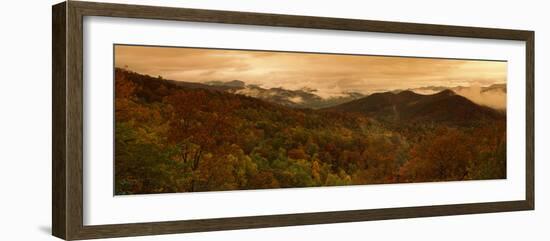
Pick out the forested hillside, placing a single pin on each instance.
(444, 107)
(178, 138)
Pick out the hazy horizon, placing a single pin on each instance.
(329, 74)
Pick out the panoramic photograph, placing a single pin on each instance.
(200, 119)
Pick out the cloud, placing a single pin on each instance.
(329, 74)
(492, 98)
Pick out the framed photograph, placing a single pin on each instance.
(171, 120)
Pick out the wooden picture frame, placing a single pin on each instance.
(67, 159)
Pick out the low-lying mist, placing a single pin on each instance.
(486, 96)
(494, 98)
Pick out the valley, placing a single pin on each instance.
(176, 136)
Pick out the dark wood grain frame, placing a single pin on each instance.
(67, 76)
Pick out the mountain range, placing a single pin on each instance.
(301, 98)
(435, 89)
(493, 96)
(436, 104)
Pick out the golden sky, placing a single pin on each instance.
(330, 74)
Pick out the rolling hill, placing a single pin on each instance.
(301, 98)
(407, 106)
(190, 137)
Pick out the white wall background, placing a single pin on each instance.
(25, 120)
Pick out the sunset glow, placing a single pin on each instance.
(329, 74)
